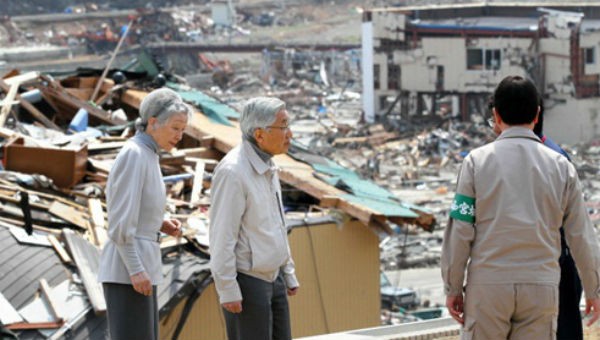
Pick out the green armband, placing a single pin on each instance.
(463, 208)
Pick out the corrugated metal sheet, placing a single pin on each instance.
(338, 268)
(363, 192)
(21, 268)
(212, 108)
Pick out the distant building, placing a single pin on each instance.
(223, 13)
(447, 60)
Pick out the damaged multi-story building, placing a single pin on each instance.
(446, 60)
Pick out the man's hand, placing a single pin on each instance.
(233, 307)
(141, 283)
(292, 291)
(172, 227)
(455, 307)
(592, 305)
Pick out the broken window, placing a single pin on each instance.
(492, 59)
(376, 76)
(483, 59)
(590, 55)
(393, 76)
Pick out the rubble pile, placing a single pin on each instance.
(57, 150)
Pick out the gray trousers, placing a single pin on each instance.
(265, 312)
(130, 315)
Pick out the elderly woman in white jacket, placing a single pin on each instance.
(130, 265)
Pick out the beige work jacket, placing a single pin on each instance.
(512, 197)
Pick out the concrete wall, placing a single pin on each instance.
(591, 40)
(419, 66)
(555, 55)
(574, 121)
(388, 25)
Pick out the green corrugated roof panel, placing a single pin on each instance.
(362, 191)
(384, 207)
(334, 169)
(212, 108)
(359, 187)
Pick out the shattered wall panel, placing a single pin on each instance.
(571, 121)
(556, 57)
(389, 25)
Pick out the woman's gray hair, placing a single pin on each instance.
(259, 112)
(162, 104)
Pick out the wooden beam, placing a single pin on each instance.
(209, 164)
(32, 109)
(172, 158)
(100, 235)
(87, 258)
(105, 146)
(70, 214)
(8, 103)
(62, 253)
(20, 224)
(21, 78)
(54, 91)
(198, 182)
(47, 294)
(202, 152)
(329, 201)
(35, 325)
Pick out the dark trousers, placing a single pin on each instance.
(130, 315)
(569, 325)
(265, 312)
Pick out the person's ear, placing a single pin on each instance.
(152, 123)
(258, 135)
(497, 117)
(537, 116)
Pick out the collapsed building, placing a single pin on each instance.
(445, 60)
(59, 142)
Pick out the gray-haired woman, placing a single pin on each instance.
(130, 265)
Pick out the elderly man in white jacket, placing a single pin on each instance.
(251, 261)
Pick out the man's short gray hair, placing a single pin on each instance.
(259, 112)
(162, 104)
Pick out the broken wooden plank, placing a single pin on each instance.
(100, 235)
(202, 152)
(209, 164)
(175, 158)
(70, 214)
(105, 146)
(32, 109)
(7, 103)
(329, 201)
(5, 198)
(55, 92)
(35, 325)
(197, 184)
(19, 223)
(60, 250)
(87, 258)
(47, 294)
(348, 140)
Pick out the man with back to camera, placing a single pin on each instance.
(251, 261)
(569, 325)
(512, 197)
